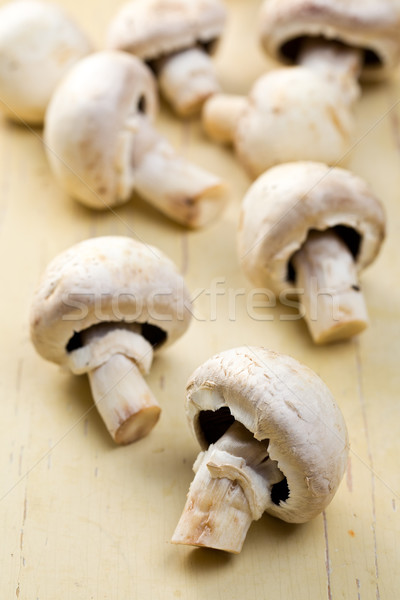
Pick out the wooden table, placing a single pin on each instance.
(81, 518)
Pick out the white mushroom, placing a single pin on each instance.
(102, 308)
(372, 26)
(176, 38)
(305, 112)
(38, 45)
(273, 440)
(102, 146)
(310, 230)
(290, 114)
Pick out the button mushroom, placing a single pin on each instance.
(102, 146)
(290, 114)
(101, 308)
(175, 37)
(305, 112)
(373, 27)
(310, 230)
(38, 45)
(273, 440)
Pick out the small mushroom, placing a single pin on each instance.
(305, 112)
(309, 230)
(38, 44)
(102, 145)
(372, 27)
(290, 114)
(102, 308)
(176, 38)
(272, 438)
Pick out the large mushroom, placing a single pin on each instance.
(309, 230)
(176, 38)
(305, 112)
(102, 308)
(39, 43)
(272, 438)
(102, 145)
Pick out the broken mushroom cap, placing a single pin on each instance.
(372, 26)
(289, 201)
(38, 44)
(114, 280)
(153, 28)
(285, 403)
(87, 126)
(102, 146)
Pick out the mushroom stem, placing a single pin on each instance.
(220, 116)
(340, 64)
(333, 304)
(231, 489)
(123, 399)
(116, 355)
(187, 79)
(184, 192)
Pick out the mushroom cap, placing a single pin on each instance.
(88, 122)
(292, 114)
(38, 44)
(280, 400)
(107, 279)
(288, 201)
(373, 25)
(153, 28)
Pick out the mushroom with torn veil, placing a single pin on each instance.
(305, 112)
(272, 438)
(102, 308)
(102, 145)
(309, 230)
(39, 43)
(176, 38)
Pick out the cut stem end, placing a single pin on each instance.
(220, 116)
(231, 489)
(327, 282)
(181, 190)
(187, 79)
(123, 399)
(216, 514)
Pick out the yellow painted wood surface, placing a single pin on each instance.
(81, 518)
